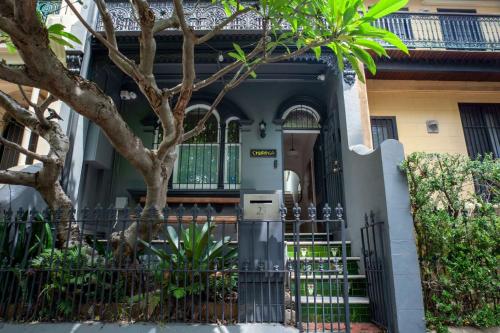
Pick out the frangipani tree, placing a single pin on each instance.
(289, 28)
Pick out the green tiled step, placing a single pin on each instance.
(321, 263)
(329, 287)
(319, 249)
(326, 313)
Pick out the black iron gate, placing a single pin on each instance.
(318, 277)
(328, 162)
(376, 272)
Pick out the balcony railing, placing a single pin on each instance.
(445, 31)
(418, 30)
(47, 7)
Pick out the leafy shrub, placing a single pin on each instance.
(73, 276)
(191, 256)
(454, 203)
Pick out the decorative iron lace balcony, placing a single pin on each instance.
(47, 7)
(418, 30)
(445, 30)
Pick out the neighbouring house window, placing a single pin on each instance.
(232, 151)
(9, 157)
(383, 128)
(481, 124)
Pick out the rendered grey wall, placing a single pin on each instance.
(259, 101)
(373, 182)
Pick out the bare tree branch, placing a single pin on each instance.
(125, 64)
(179, 12)
(7, 8)
(15, 75)
(8, 25)
(221, 72)
(163, 24)
(38, 109)
(23, 93)
(18, 178)
(107, 22)
(147, 43)
(23, 150)
(218, 28)
(237, 79)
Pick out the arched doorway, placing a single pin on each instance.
(301, 129)
(311, 149)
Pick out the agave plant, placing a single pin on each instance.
(190, 258)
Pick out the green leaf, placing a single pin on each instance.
(372, 45)
(55, 28)
(60, 41)
(253, 74)
(240, 51)
(385, 7)
(70, 36)
(235, 56)
(179, 293)
(317, 51)
(173, 240)
(355, 66)
(365, 57)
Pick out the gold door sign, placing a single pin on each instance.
(263, 153)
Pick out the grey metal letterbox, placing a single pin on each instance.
(261, 251)
(261, 206)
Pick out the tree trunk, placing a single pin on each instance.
(61, 207)
(146, 227)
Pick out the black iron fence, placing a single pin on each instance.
(184, 266)
(376, 272)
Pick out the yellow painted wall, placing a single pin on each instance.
(482, 6)
(415, 102)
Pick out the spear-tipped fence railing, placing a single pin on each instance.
(182, 266)
(318, 270)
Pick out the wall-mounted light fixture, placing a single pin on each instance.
(432, 126)
(126, 95)
(262, 129)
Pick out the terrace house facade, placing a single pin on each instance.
(302, 132)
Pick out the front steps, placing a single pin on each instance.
(321, 289)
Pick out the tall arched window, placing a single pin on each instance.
(197, 165)
(210, 160)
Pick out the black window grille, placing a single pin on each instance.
(32, 147)
(210, 160)
(301, 117)
(233, 153)
(481, 124)
(9, 157)
(383, 128)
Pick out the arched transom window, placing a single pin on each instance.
(301, 117)
(210, 160)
